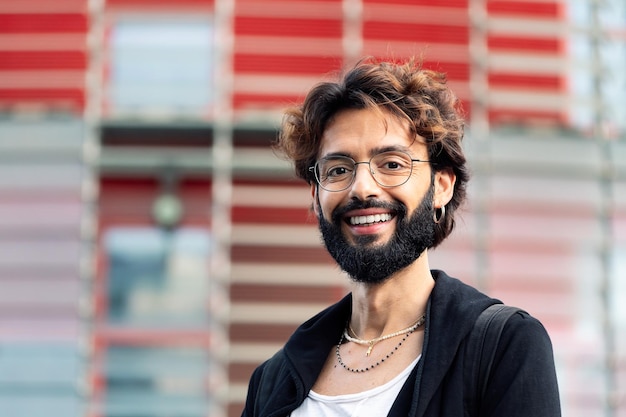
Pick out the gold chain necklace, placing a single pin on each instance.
(371, 342)
(380, 361)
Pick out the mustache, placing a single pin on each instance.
(396, 207)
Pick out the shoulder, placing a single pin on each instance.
(524, 348)
(455, 305)
(523, 380)
(524, 329)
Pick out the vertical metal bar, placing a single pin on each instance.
(90, 185)
(352, 40)
(221, 196)
(605, 216)
(479, 128)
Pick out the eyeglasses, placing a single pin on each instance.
(389, 169)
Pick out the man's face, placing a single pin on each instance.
(370, 230)
(374, 263)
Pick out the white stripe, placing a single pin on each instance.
(534, 27)
(42, 79)
(38, 42)
(272, 196)
(273, 313)
(273, 235)
(275, 84)
(290, 9)
(252, 352)
(528, 63)
(288, 274)
(534, 100)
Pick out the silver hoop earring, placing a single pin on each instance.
(439, 218)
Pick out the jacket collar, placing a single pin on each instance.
(452, 310)
(308, 348)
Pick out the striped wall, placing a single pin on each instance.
(281, 274)
(41, 354)
(281, 48)
(43, 55)
(538, 232)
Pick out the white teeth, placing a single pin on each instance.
(372, 218)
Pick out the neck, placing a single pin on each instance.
(394, 304)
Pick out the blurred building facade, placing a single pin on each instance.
(154, 250)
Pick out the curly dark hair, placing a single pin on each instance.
(403, 89)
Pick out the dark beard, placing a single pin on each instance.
(371, 264)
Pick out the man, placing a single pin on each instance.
(382, 152)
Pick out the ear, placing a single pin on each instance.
(316, 199)
(444, 187)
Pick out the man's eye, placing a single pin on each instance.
(393, 165)
(337, 171)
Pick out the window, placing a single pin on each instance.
(160, 66)
(154, 339)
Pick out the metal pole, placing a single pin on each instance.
(479, 128)
(605, 216)
(90, 186)
(352, 31)
(221, 196)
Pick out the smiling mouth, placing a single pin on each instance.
(370, 219)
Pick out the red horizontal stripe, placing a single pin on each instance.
(509, 43)
(276, 215)
(453, 71)
(275, 26)
(285, 293)
(244, 3)
(29, 60)
(159, 3)
(526, 117)
(240, 372)
(527, 8)
(115, 185)
(43, 23)
(283, 64)
(262, 101)
(274, 254)
(289, 184)
(431, 3)
(525, 81)
(72, 98)
(416, 32)
(42, 94)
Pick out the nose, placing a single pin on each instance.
(364, 185)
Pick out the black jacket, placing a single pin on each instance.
(523, 379)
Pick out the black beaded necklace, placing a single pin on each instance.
(369, 368)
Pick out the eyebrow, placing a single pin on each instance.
(373, 151)
(389, 148)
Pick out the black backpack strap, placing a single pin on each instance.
(481, 350)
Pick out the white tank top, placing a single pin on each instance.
(375, 402)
